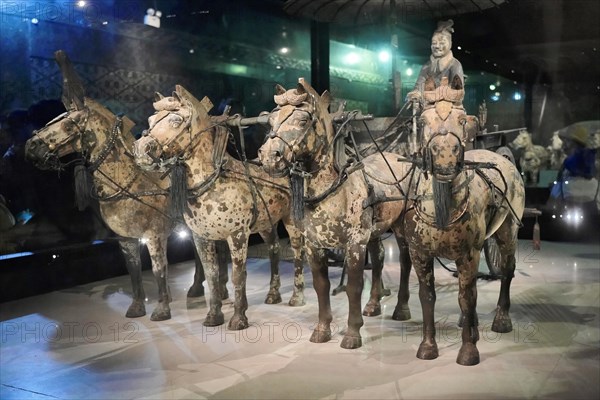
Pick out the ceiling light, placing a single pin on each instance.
(384, 56)
(352, 58)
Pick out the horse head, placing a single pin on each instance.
(444, 156)
(522, 141)
(173, 129)
(556, 142)
(301, 128)
(74, 131)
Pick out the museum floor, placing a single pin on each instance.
(76, 343)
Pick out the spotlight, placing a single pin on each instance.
(143, 240)
(182, 234)
(409, 72)
(492, 87)
(35, 21)
(517, 96)
(284, 50)
(81, 3)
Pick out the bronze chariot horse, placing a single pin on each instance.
(460, 199)
(338, 202)
(221, 197)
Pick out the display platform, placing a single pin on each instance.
(76, 343)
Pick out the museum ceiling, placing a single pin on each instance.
(540, 40)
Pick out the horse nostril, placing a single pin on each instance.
(278, 154)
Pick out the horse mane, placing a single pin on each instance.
(108, 115)
(199, 109)
(321, 106)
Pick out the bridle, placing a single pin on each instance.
(52, 158)
(294, 165)
(427, 157)
(184, 128)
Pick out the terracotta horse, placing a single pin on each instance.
(461, 198)
(224, 199)
(132, 201)
(534, 157)
(340, 203)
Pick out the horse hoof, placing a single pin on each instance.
(224, 293)
(372, 310)
(427, 351)
(468, 355)
(297, 301)
(238, 323)
(214, 320)
(136, 310)
(160, 315)
(196, 291)
(351, 342)
(502, 325)
(401, 314)
(273, 298)
(320, 336)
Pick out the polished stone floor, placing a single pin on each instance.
(77, 344)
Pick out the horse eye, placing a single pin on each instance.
(175, 121)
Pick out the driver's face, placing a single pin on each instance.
(440, 45)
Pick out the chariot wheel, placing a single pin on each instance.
(492, 255)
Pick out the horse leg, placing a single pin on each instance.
(197, 290)
(272, 240)
(355, 256)
(296, 242)
(377, 252)
(157, 247)
(222, 251)
(402, 312)
(238, 245)
(208, 256)
(317, 259)
(468, 266)
(428, 349)
(133, 262)
(506, 237)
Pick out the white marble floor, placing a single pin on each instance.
(77, 344)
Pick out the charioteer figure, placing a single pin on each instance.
(441, 64)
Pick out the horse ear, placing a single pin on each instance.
(279, 90)
(300, 88)
(184, 94)
(327, 98)
(158, 96)
(177, 97)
